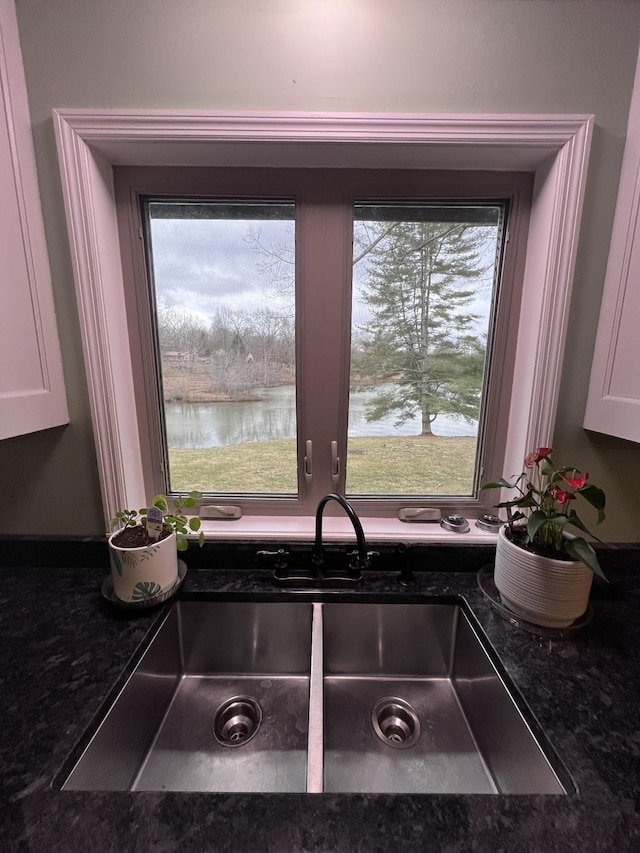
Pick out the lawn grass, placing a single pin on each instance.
(420, 465)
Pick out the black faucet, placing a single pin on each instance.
(361, 556)
(318, 575)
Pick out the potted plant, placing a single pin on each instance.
(143, 552)
(542, 571)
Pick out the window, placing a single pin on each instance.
(224, 314)
(323, 330)
(424, 297)
(551, 150)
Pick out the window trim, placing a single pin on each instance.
(554, 148)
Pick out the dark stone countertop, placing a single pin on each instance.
(63, 647)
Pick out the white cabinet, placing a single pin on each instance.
(32, 395)
(613, 405)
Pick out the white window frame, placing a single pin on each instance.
(323, 413)
(554, 149)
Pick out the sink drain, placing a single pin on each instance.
(237, 720)
(395, 722)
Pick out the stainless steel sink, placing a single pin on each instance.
(413, 704)
(306, 695)
(202, 662)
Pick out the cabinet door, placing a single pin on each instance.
(613, 405)
(32, 395)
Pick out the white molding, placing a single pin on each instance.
(181, 125)
(613, 403)
(90, 208)
(554, 148)
(32, 392)
(557, 212)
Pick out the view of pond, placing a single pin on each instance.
(196, 425)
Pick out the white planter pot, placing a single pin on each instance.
(546, 592)
(141, 573)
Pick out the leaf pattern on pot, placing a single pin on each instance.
(145, 589)
(115, 562)
(128, 559)
(148, 553)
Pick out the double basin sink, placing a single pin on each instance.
(317, 696)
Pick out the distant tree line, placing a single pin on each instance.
(239, 351)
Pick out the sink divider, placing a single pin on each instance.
(315, 746)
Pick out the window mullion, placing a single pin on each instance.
(324, 229)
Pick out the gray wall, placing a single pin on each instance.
(547, 56)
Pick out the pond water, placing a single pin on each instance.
(195, 425)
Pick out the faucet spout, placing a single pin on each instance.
(318, 549)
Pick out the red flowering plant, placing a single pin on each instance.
(543, 507)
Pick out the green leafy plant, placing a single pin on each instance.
(174, 520)
(542, 509)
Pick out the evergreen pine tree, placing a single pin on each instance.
(421, 341)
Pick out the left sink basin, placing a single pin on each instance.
(217, 676)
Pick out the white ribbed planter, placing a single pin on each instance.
(141, 573)
(546, 592)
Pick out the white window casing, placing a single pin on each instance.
(90, 143)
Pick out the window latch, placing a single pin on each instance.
(308, 460)
(420, 514)
(335, 463)
(220, 513)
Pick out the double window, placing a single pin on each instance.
(305, 331)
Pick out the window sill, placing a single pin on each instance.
(339, 529)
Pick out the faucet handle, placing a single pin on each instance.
(279, 556)
(358, 563)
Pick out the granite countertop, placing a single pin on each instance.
(63, 647)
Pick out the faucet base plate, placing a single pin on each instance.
(289, 578)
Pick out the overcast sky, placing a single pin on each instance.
(204, 265)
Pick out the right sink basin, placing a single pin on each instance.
(333, 693)
(413, 704)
